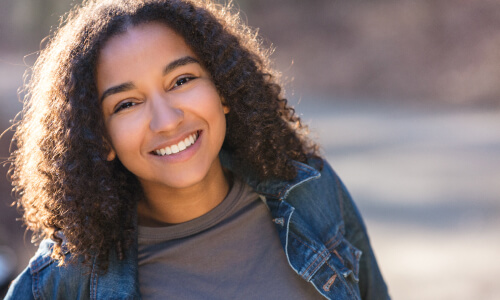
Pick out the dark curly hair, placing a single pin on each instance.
(62, 180)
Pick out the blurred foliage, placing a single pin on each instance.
(431, 50)
(444, 50)
(24, 23)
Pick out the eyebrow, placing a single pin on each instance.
(179, 63)
(127, 86)
(117, 89)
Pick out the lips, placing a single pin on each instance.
(179, 147)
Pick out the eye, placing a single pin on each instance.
(182, 80)
(123, 105)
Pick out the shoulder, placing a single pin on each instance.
(319, 202)
(325, 191)
(326, 206)
(329, 198)
(327, 209)
(328, 175)
(44, 277)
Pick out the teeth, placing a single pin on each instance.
(175, 149)
(181, 146)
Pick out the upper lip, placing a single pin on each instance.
(174, 141)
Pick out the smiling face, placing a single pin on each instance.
(162, 111)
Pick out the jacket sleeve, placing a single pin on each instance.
(371, 282)
(22, 287)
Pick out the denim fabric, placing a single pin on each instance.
(319, 226)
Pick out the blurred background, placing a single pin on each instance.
(404, 98)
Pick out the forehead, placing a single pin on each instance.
(142, 36)
(140, 49)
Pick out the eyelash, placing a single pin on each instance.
(123, 105)
(184, 80)
(179, 82)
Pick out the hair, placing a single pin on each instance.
(62, 180)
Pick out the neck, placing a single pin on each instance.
(165, 205)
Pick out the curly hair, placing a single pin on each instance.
(62, 180)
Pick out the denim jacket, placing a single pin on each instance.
(319, 227)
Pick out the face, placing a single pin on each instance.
(162, 112)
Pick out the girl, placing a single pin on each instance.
(158, 159)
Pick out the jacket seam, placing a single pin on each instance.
(340, 197)
(287, 240)
(318, 256)
(35, 289)
(289, 187)
(93, 282)
(335, 240)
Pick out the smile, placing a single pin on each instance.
(179, 147)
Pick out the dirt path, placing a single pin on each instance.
(428, 184)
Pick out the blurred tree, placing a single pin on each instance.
(24, 23)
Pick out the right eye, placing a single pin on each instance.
(123, 105)
(182, 80)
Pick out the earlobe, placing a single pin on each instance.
(225, 107)
(111, 152)
(111, 155)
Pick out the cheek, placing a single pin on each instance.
(219, 128)
(208, 103)
(215, 112)
(125, 137)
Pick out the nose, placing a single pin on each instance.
(164, 115)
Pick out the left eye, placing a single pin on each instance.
(124, 105)
(182, 81)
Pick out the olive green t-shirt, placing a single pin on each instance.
(232, 252)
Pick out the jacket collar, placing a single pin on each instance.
(273, 187)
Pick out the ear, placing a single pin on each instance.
(111, 155)
(225, 107)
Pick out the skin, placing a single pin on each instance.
(154, 94)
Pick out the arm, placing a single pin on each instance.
(21, 287)
(371, 282)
